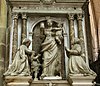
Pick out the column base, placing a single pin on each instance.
(18, 80)
(80, 80)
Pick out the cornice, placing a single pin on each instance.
(49, 2)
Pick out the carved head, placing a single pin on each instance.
(76, 40)
(42, 25)
(26, 42)
(49, 22)
(59, 25)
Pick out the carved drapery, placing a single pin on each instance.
(24, 27)
(80, 32)
(71, 29)
(15, 34)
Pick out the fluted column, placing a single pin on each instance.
(80, 32)
(24, 27)
(71, 29)
(15, 34)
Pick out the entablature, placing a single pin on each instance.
(47, 2)
(47, 6)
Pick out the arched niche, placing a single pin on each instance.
(38, 34)
(38, 37)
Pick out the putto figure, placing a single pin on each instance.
(35, 65)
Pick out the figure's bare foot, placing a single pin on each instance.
(35, 79)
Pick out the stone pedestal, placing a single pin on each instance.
(18, 80)
(81, 80)
(50, 83)
(52, 78)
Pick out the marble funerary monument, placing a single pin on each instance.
(56, 31)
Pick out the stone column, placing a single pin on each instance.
(24, 27)
(15, 34)
(80, 32)
(71, 29)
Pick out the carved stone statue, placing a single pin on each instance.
(51, 57)
(35, 65)
(76, 63)
(20, 64)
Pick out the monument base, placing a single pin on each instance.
(18, 80)
(80, 80)
(50, 83)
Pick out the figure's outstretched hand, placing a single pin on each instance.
(39, 55)
(67, 50)
(83, 55)
(33, 52)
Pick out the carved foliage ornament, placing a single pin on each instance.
(47, 1)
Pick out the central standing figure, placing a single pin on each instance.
(51, 56)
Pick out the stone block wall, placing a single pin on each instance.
(2, 38)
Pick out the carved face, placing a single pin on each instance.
(28, 43)
(76, 40)
(49, 22)
(41, 25)
(59, 25)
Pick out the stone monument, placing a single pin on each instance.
(51, 26)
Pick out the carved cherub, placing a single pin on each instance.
(58, 32)
(35, 65)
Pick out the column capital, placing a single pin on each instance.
(15, 15)
(79, 16)
(71, 16)
(24, 16)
